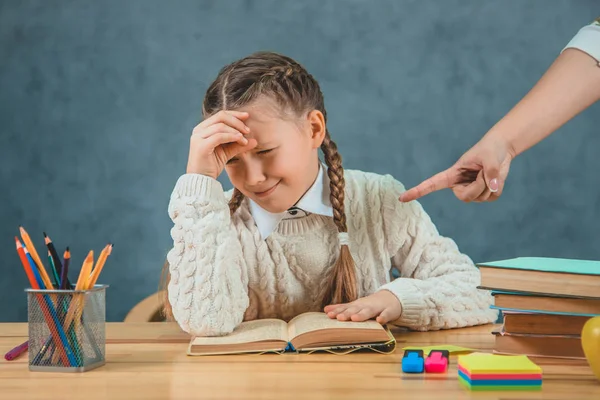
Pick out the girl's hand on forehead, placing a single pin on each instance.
(382, 305)
(216, 140)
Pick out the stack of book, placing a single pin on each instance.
(545, 302)
(496, 372)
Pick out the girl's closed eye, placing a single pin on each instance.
(261, 152)
(265, 151)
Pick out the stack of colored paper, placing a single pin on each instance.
(496, 372)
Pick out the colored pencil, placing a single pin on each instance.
(25, 263)
(84, 273)
(34, 285)
(99, 265)
(64, 280)
(65, 298)
(17, 351)
(29, 245)
(75, 308)
(56, 330)
(57, 346)
(56, 281)
(53, 253)
(65, 350)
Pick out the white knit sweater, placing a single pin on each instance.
(222, 272)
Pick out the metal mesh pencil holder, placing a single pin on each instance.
(67, 329)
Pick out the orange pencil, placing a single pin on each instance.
(36, 258)
(99, 265)
(25, 263)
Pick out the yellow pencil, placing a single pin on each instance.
(75, 308)
(99, 265)
(36, 258)
(85, 271)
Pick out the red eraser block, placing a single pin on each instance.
(437, 361)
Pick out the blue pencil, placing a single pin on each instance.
(53, 314)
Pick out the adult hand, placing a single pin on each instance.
(479, 175)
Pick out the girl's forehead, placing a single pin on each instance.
(265, 136)
(267, 121)
(268, 129)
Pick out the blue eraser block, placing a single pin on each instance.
(413, 362)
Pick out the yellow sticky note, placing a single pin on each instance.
(498, 364)
(450, 347)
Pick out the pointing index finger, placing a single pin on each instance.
(437, 182)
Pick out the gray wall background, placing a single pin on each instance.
(98, 98)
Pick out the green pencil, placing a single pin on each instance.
(54, 272)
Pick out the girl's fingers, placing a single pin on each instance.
(232, 118)
(334, 313)
(223, 138)
(331, 307)
(385, 316)
(233, 150)
(347, 314)
(217, 128)
(363, 315)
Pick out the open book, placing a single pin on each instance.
(307, 332)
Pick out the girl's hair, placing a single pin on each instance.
(295, 90)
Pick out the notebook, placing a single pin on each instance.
(542, 275)
(308, 332)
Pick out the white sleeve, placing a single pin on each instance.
(587, 40)
(208, 290)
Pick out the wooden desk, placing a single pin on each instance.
(148, 361)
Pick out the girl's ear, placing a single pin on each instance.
(318, 128)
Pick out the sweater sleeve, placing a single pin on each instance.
(208, 288)
(587, 40)
(437, 286)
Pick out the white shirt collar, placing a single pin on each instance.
(315, 200)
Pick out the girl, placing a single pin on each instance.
(295, 235)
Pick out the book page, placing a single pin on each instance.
(313, 321)
(250, 331)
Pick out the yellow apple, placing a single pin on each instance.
(590, 342)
